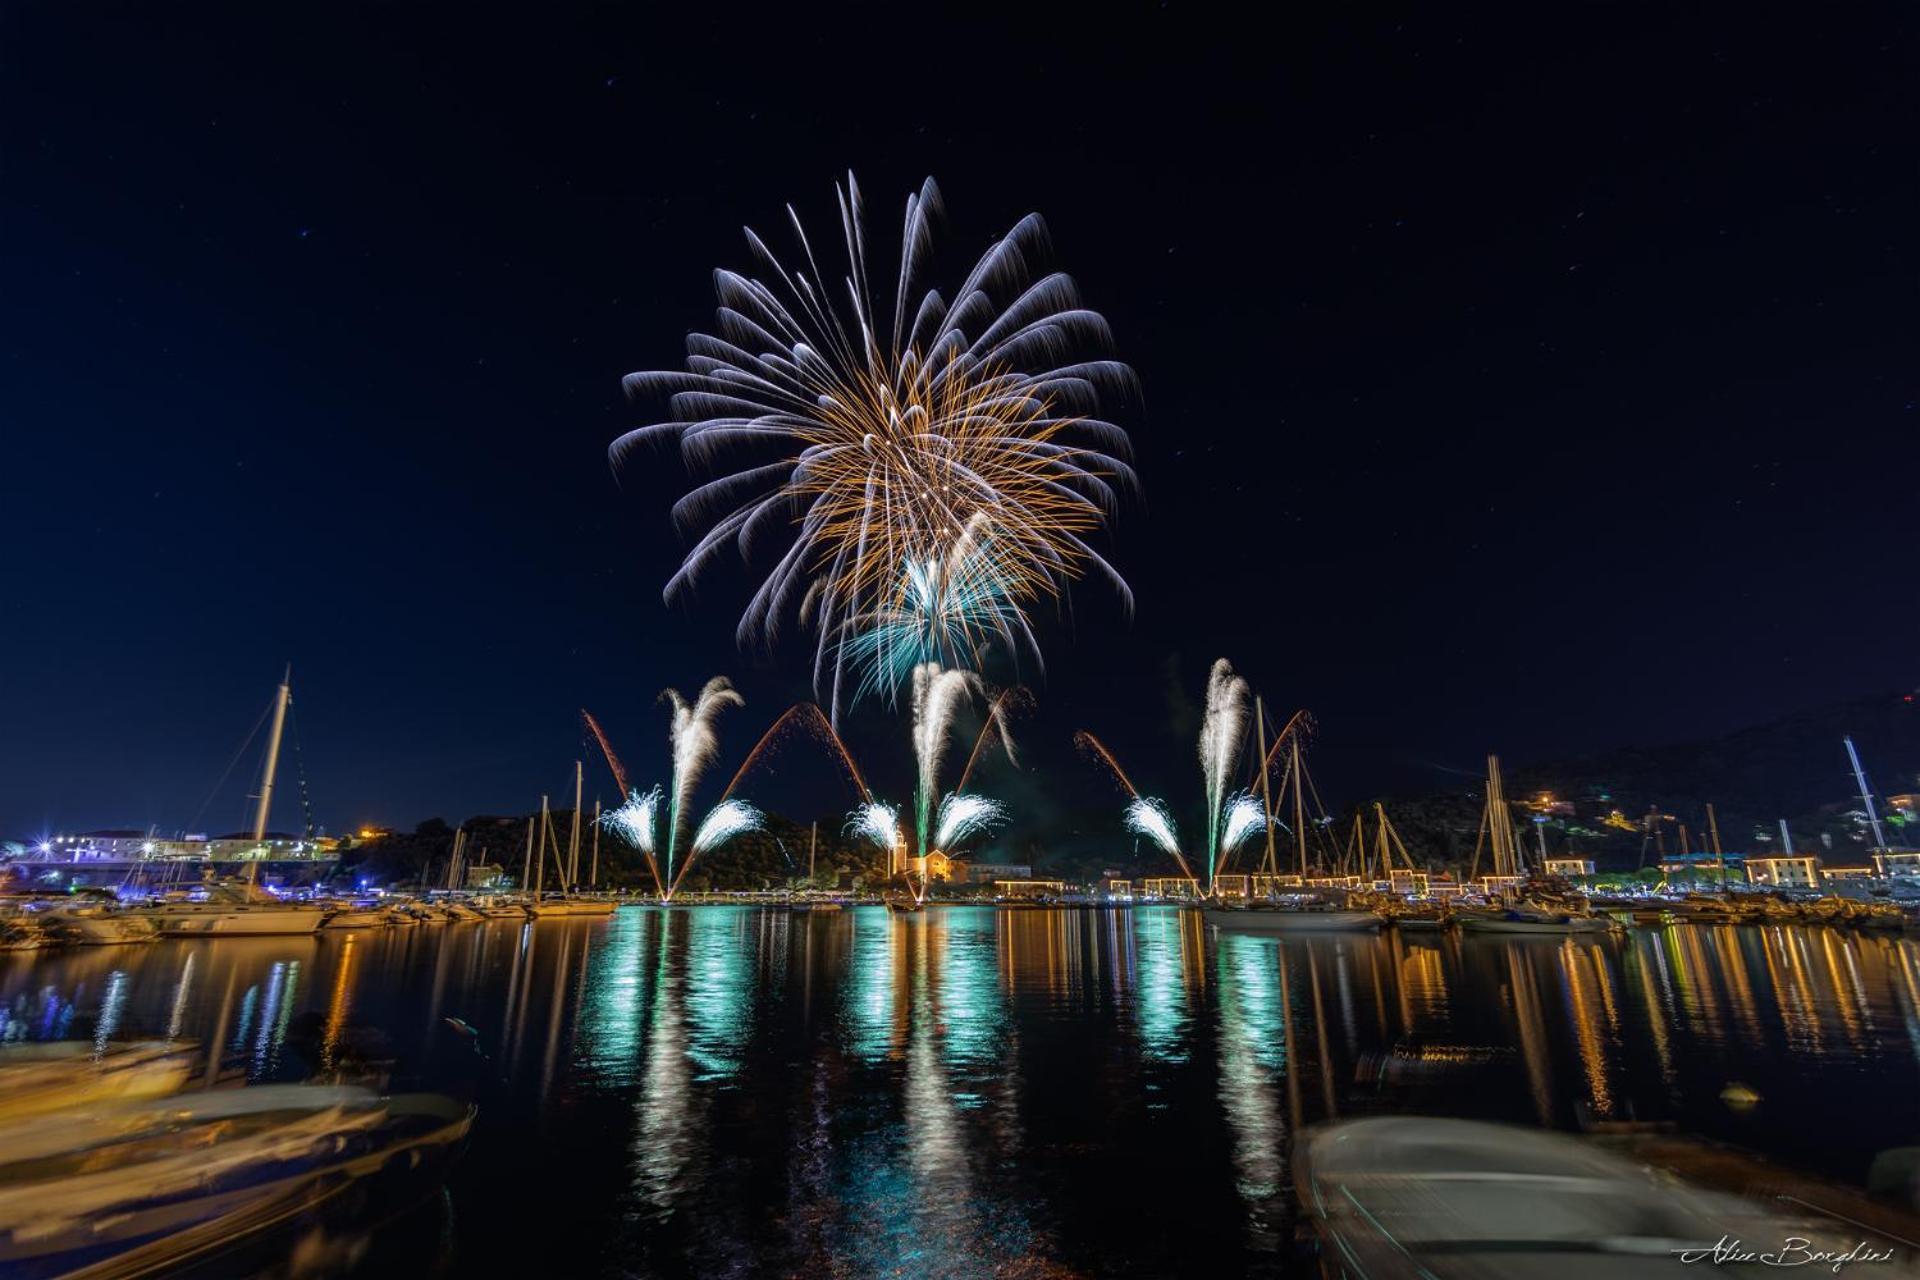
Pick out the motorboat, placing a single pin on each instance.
(500, 909)
(1292, 914)
(355, 916)
(1530, 919)
(1417, 1198)
(141, 1187)
(234, 908)
(98, 925)
(44, 1076)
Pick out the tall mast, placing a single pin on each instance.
(540, 863)
(526, 868)
(813, 837)
(273, 754)
(1496, 820)
(1866, 795)
(1719, 856)
(573, 834)
(1299, 807)
(1266, 789)
(593, 881)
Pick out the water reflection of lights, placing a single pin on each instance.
(608, 1039)
(1163, 954)
(1252, 1051)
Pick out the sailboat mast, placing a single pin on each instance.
(1266, 787)
(573, 834)
(540, 863)
(273, 754)
(1719, 855)
(1786, 840)
(1299, 807)
(593, 881)
(1866, 795)
(813, 839)
(526, 868)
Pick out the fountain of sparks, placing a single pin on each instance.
(963, 816)
(694, 746)
(1221, 729)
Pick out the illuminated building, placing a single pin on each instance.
(1569, 866)
(1408, 884)
(1793, 872)
(1847, 873)
(1896, 862)
(988, 872)
(1230, 886)
(1175, 888)
(1018, 889)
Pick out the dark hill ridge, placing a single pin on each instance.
(1794, 768)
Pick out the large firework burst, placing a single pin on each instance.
(851, 440)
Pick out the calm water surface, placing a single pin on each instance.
(718, 1091)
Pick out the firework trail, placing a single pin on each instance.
(813, 719)
(1221, 729)
(962, 816)
(937, 696)
(1098, 749)
(995, 727)
(694, 744)
(1244, 817)
(606, 749)
(1148, 817)
(863, 441)
(634, 821)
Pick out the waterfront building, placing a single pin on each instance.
(1015, 890)
(1229, 886)
(1898, 862)
(1794, 871)
(1408, 883)
(1116, 889)
(1173, 888)
(988, 872)
(1569, 866)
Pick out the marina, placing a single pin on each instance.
(1025, 1086)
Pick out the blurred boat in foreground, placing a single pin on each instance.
(42, 1077)
(1439, 1199)
(141, 1187)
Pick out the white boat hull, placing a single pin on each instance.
(246, 920)
(105, 929)
(1259, 920)
(1496, 924)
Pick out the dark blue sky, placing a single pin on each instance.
(1535, 384)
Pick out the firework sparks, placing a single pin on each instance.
(963, 816)
(948, 610)
(1221, 729)
(1149, 817)
(694, 744)
(723, 822)
(877, 822)
(1244, 817)
(633, 821)
(867, 445)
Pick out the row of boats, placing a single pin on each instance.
(1545, 911)
(239, 909)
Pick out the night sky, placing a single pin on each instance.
(1540, 383)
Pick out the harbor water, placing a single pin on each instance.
(975, 1091)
